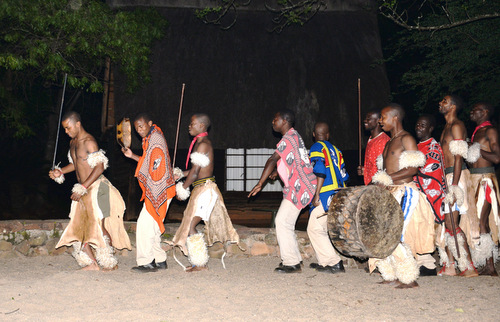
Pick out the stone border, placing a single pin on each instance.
(39, 237)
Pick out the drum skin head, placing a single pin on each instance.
(365, 222)
(124, 133)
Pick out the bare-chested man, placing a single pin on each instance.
(97, 207)
(205, 203)
(458, 180)
(401, 160)
(484, 154)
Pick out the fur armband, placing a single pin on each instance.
(178, 173)
(382, 177)
(200, 159)
(380, 162)
(79, 189)
(454, 192)
(70, 159)
(59, 179)
(97, 157)
(474, 153)
(411, 159)
(459, 147)
(182, 193)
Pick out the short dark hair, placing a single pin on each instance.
(288, 116)
(430, 118)
(374, 111)
(145, 116)
(457, 101)
(400, 112)
(487, 106)
(204, 119)
(74, 116)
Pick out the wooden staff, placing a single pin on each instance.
(359, 121)
(178, 124)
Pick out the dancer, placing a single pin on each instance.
(484, 154)
(154, 173)
(291, 162)
(458, 181)
(399, 163)
(374, 146)
(205, 203)
(96, 215)
(430, 178)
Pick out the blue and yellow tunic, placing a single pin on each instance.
(328, 163)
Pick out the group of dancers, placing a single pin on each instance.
(446, 205)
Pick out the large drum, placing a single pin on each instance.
(365, 221)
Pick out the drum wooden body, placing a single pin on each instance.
(124, 133)
(365, 221)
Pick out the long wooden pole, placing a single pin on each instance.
(59, 122)
(178, 124)
(359, 122)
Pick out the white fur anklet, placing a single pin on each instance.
(443, 257)
(382, 177)
(182, 193)
(81, 257)
(79, 189)
(483, 251)
(386, 268)
(197, 250)
(463, 263)
(407, 270)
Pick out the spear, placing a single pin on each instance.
(59, 123)
(178, 124)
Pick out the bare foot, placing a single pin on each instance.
(388, 283)
(469, 273)
(411, 285)
(489, 269)
(196, 269)
(449, 271)
(91, 267)
(110, 269)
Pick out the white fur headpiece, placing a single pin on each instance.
(380, 162)
(474, 153)
(454, 192)
(178, 173)
(59, 179)
(97, 157)
(382, 177)
(182, 193)
(459, 147)
(411, 159)
(197, 250)
(79, 189)
(70, 159)
(200, 159)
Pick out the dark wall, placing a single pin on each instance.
(242, 76)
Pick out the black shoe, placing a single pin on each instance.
(151, 267)
(301, 264)
(314, 265)
(288, 269)
(337, 268)
(424, 271)
(161, 265)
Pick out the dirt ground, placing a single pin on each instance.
(50, 288)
